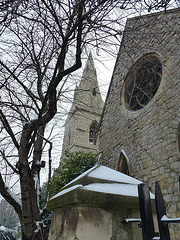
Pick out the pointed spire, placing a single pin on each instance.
(89, 77)
(90, 64)
(88, 93)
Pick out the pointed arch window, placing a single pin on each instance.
(69, 136)
(93, 132)
(123, 165)
(94, 91)
(178, 137)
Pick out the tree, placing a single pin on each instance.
(41, 44)
(70, 167)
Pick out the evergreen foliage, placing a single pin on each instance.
(71, 166)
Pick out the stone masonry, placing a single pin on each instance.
(150, 137)
(86, 109)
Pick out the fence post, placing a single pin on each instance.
(161, 211)
(146, 212)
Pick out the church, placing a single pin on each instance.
(140, 124)
(139, 134)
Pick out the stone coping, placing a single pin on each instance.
(80, 196)
(100, 187)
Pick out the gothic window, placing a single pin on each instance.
(94, 91)
(69, 136)
(123, 165)
(178, 138)
(93, 132)
(142, 82)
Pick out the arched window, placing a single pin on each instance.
(123, 165)
(93, 132)
(69, 136)
(94, 91)
(178, 137)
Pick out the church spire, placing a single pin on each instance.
(88, 93)
(82, 120)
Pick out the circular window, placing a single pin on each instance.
(142, 82)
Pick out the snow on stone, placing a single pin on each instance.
(106, 173)
(113, 188)
(122, 183)
(124, 153)
(80, 176)
(67, 190)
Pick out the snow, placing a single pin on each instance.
(124, 153)
(113, 188)
(36, 180)
(122, 184)
(165, 218)
(81, 176)
(37, 186)
(132, 220)
(67, 190)
(3, 229)
(38, 163)
(106, 173)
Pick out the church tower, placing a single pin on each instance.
(82, 121)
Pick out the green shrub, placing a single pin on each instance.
(71, 166)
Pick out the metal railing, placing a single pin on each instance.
(146, 221)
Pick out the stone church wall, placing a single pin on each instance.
(150, 137)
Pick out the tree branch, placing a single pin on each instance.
(29, 93)
(8, 163)
(6, 193)
(8, 128)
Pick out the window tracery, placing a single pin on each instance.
(93, 132)
(143, 82)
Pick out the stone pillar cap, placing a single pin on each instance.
(99, 186)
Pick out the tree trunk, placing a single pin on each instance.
(30, 204)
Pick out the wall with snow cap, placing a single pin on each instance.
(93, 205)
(150, 136)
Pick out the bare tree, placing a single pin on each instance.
(42, 42)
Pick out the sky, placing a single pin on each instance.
(104, 65)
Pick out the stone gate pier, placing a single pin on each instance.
(92, 207)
